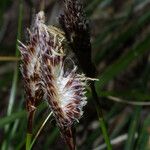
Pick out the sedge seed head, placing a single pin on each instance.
(31, 64)
(45, 70)
(64, 87)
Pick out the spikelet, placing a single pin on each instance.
(73, 21)
(30, 68)
(64, 88)
(76, 27)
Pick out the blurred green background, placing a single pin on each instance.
(120, 36)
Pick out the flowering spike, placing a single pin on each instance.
(65, 94)
(65, 90)
(76, 28)
(30, 68)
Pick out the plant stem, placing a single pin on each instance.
(101, 118)
(39, 131)
(29, 129)
(28, 141)
(30, 121)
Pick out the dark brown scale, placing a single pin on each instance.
(68, 84)
(64, 121)
(32, 49)
(44, 59)
(76, 101)
(77, 109)
(27, 63)
(27, 80)
(59, 109)
(77, 86)
(76, 114)
(34, 39)
(61, 115)
(34, 77)
(52, 91)
(55, 103)
(56, 61)
(50, 77)
(79, 93)
(70, 107)
(38, 94)
(26, 57)
(48, 83)
(69, 113)
(28, 91)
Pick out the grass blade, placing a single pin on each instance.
(15, 76)
(142, 143)
(39, 131)
(9, 119)
(130, 32)
(122, 63)
(132, 130)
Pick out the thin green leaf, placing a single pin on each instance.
(131, 31)
(133, 129)
(122, 63)
(9, 119)
(142, 143)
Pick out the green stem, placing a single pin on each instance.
(28, 141)
(101, 118)
(104, 131)
(39, 131)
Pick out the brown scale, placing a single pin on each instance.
(58, 112)
(56, 109)
(32, 101)
(31, 48)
